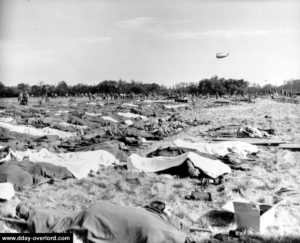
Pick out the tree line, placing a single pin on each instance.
(211, 86)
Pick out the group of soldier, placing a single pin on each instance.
(23, 98)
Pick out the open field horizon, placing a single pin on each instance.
(271, 170)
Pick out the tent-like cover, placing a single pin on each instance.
(211, 167)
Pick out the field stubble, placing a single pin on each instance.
(271, 170)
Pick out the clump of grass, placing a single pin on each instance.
(178, 185)
(101, 184)
(121, 186)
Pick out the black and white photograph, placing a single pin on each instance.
(147, 121)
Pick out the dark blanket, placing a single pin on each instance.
(131, 132)
(112, 146)
(24, 174)
(105, 222)
(224, 131)
(19, 141)
(78, 121)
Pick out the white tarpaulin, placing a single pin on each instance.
(79, 127)
(36, 131)
(95, 103)
(93, 114)
(130, 105)
(220, 149)
(159, 101)
(6, 191)
(131, 115)
(211, 167)
(6, 119)
(60, 112)
(174, 106)
(108, 118)
(79, 163)
(129, 122)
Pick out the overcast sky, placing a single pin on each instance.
(163, 41)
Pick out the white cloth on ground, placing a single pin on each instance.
(93, 114)
(6, 119)
(211, 167)
(128, 122)
(66, 124)
(6, 191)
(242, 149)
(174, 106)
(36, 131)
(131, 115)
(108, 118)
(129, 104)
(79, 163)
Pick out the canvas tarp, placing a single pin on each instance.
(35, 131)
(25, 173)
(131, 115)
(211, 167)
(230, 159)
(108, 118)
(130, 105)
(93, 114)
(105, 222)
(6, 191)
(6, 119)
(79, 127)
(79, 163)
(220, 149)
(175, 106)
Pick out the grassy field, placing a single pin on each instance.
(271, 170)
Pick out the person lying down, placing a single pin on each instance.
(106, 222)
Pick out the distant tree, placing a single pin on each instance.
(2, 90)
(222, 86)
(62, 88)
(23, 87)
(36, 90)
(293, 85)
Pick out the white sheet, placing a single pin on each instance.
(36, 131)
(174, 106)
(108, 118)
(6, 119)
(79, 163)
(60, 112)
(91, 103)
(130, 105)
(128, 122)
(242, 149)
(6, 191)
(95, 103)
(212, 168)
(131, 115)
(93, 114)
(159, 101)
(66, 124)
